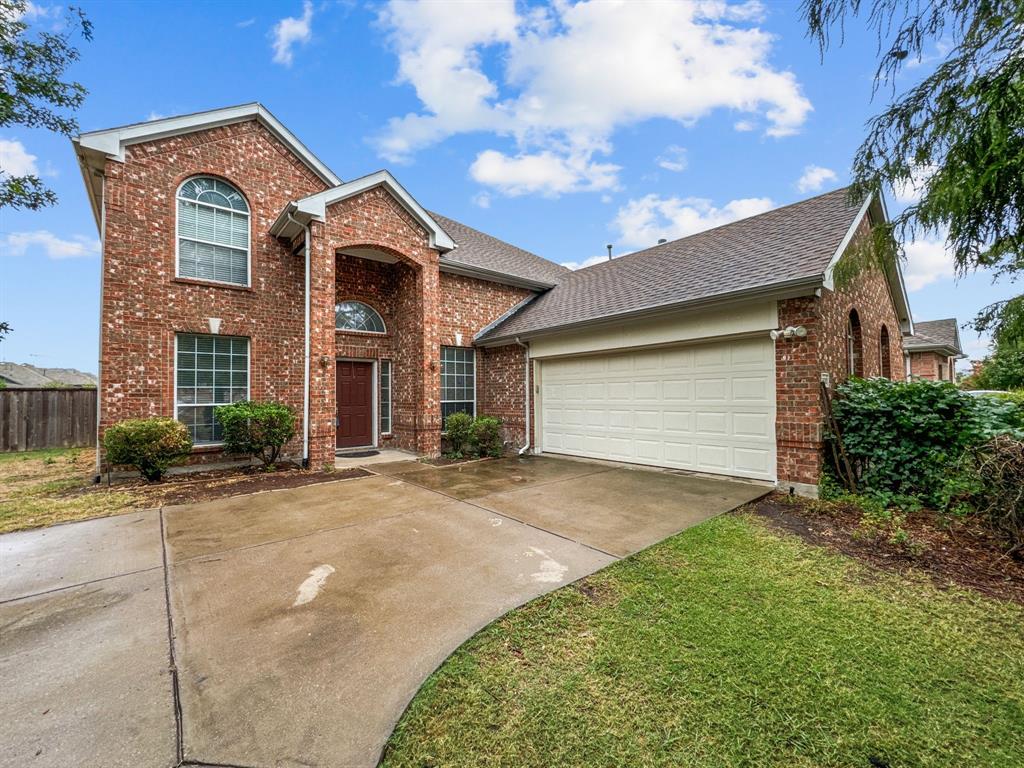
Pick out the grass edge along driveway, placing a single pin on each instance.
(727, 645)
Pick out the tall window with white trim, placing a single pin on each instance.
(213, 232)
(209, 371)
(458, 381)
(385, 397)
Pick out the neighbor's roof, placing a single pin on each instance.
(28, 376)
(481, 251)
(787, 247)
(934, 335)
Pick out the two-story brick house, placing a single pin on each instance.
(237, 265)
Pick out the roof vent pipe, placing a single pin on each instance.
(609, 247)
(662, 241)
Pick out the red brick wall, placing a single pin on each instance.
(925, 365)
(467, 305)
(144, 304)
(800, 362)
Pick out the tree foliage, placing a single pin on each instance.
(33, 91)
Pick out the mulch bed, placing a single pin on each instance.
(443, 461)
(958, 552)
(191, 487)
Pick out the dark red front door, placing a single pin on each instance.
(355, 404)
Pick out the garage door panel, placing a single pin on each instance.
(707, 407)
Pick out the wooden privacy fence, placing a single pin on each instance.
(47, 418)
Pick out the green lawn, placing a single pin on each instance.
(730, 645)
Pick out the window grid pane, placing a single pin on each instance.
(213, 243)
(385, 396)
(357, 316)
(458, 381)
(210, 371)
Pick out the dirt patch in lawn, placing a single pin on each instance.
(949, 551)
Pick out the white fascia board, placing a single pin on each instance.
(829, 281)
(112, 142)
(315, 206)
(896, 283)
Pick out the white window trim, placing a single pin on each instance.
(442, 402)
(355, 330)
(248, 379)
(391, 394)
(177, 236)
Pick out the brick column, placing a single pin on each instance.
(428, 418)
(322, 393)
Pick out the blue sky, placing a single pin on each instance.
(559, 128)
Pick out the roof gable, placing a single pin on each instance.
(95, 147)
(935, 335)
(302, 211)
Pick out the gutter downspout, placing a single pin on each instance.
(99, 362)
(305, 370)
(526, 390)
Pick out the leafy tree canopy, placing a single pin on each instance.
(33, 91)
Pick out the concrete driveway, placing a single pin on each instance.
(291, 628)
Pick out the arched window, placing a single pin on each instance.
(213, 231)
(356, 316)
(854, 346)
(885, 359)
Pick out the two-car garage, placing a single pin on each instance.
(707, 407)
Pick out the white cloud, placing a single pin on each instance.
(586, 262)
(154, 115)
(544, 172)
(571, 74)
(15, 159)
(673, 159)
(20, 243)
(482, 200)
(814, 178)
(910, 191)
(245, 23)
(291, 31)
(641, 223)
(927, 261)
(743, 126)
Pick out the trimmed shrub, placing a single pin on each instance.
(487, 436)
(255, 428)
(458, 428)
(903, 439)
(148, 445)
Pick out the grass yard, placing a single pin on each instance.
(731, 645)
(40, 488)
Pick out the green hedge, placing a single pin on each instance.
(258, 429)
(149, 445)
(475, 437)
(904, 439)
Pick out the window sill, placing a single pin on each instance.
(208, 448)
(212, 284)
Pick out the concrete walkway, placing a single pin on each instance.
(291, 628)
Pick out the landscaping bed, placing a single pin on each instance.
(40, 488)
(949, 550)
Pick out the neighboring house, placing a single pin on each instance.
(237, 265)
(933, 349)
(24, 376)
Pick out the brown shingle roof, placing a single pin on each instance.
(784, 245)
(929, 334)
(476, 249)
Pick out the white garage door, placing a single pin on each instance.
(702, 407)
